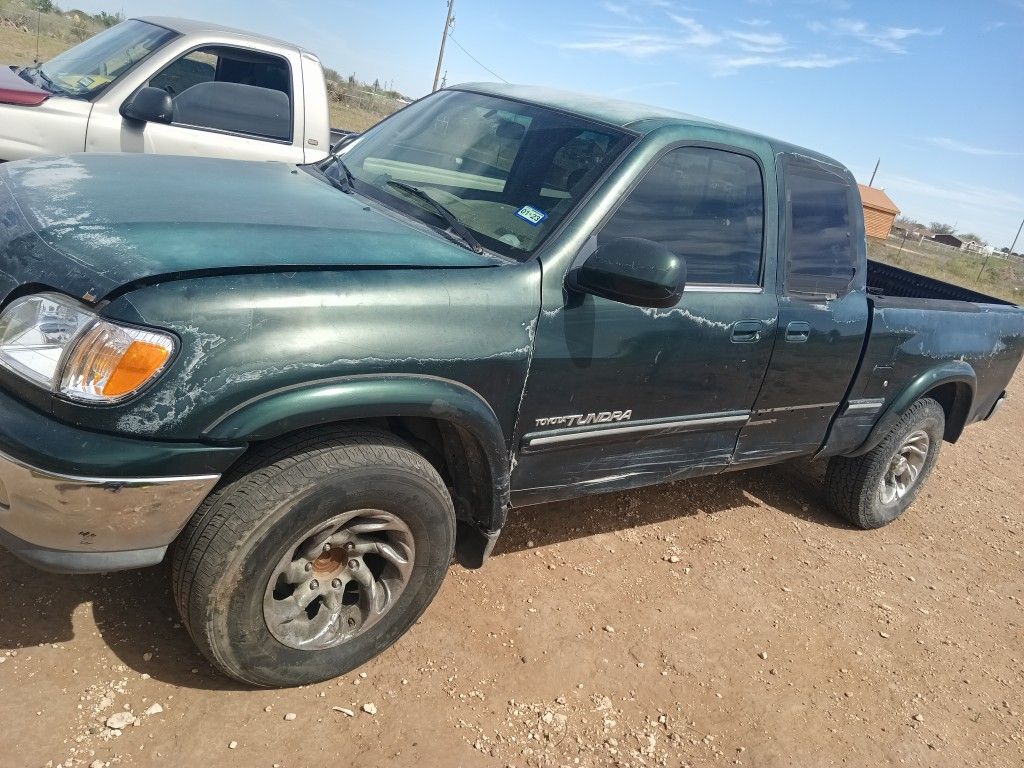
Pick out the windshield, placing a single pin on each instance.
(508, 171)
(89, 67)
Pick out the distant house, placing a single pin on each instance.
(879, 212)
(952, 240)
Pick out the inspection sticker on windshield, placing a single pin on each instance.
(531, 215)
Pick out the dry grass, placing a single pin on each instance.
(19, 47)
(352, 118)
(1003, 278)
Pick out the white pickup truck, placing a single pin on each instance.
(169, 86)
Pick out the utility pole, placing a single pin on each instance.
(872, 182)
(444, 38)
(1009, 255)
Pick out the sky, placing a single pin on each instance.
(935, 88)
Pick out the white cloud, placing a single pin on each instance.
(699, 35)
(965, 195)
(755, 44)
(731, 65)
(953, 145)
(620, 9)
(634, 45)
(816, 61)
(759, 42)
(889, 39)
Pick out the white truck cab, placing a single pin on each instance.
(169, 86)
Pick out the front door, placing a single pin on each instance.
(228, 102)
(620, 396)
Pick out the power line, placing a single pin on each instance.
(474, 58)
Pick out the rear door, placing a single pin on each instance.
(823, 312)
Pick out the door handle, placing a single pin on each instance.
(798, 332)
(746, 331)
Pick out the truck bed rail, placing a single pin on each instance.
(886, 280)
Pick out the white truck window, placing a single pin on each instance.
(232, 90)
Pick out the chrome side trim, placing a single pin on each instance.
(723, 289)
(787, 408)
(557, 437)
(98, 514)
(871, 405)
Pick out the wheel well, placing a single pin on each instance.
(453, 451)
(955, 398)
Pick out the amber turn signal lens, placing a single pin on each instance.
(136, 367)
(111, 361)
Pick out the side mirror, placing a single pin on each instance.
(149, 105)
(634, 271)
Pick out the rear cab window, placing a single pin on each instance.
(231, 90)
(819, 215)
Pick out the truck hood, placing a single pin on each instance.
(88, 224)
(16, 90)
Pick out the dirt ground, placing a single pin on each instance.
(721, 621)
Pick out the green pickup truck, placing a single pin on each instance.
(317, 384)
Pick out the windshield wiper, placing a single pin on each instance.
(334, 159)
(349, 178)
(317, 169)
(37, 71)
(454, 224)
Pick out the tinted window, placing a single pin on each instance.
(230, 89)
(704, 204)
(509, 171)
(819, 241)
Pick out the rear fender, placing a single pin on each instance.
(955, 372)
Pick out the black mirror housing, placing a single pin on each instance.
(632, 270)
(149, 105)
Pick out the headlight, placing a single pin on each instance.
(62, 346)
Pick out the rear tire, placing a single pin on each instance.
(339, 540)
(874, 489)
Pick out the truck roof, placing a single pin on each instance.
(193, 27)
(642, 118)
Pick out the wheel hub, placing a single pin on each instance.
(330, 562)
(905, 467)
(338, 579)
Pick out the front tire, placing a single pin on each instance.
(314, 557)
(874, 489)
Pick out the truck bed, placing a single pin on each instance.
(886, 280)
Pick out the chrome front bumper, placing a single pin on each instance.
(89, 524)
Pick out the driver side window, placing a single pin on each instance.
(704, 204)
(191, 69)
(230, 90)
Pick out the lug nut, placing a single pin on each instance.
(314, 584)
(308, 566)
(336, 583)
(351, 622)
(353, 564)
(327, 547)
(350, 545)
